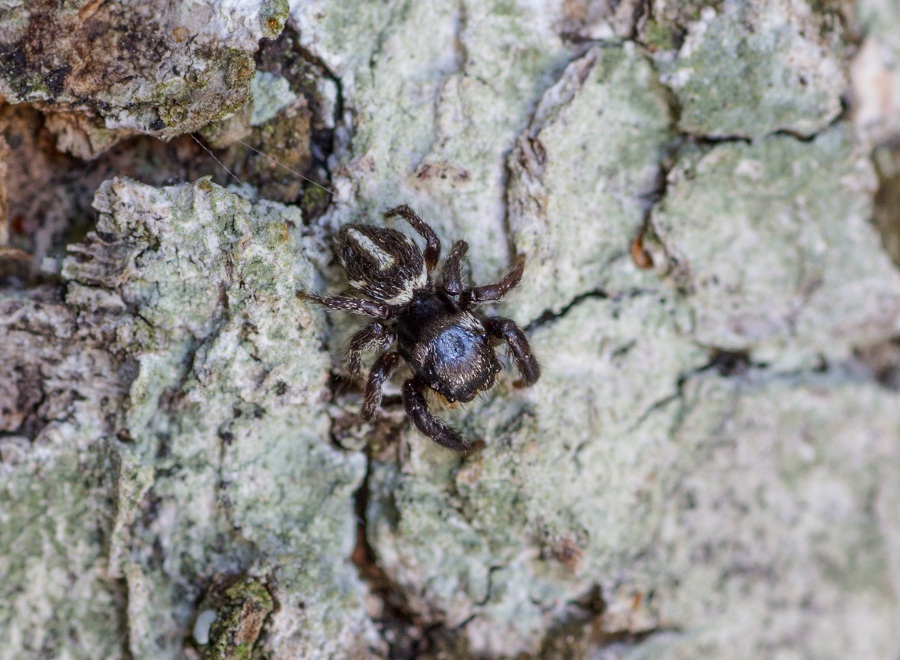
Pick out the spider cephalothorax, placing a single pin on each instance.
(448, 348)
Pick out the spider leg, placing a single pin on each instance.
(428, 424)
(368, 308)
(382, 369)
(496, 291)
(452, 277)
(512, 334)
(370, 338)
(432, 242)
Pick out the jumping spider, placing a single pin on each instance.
(448, 348)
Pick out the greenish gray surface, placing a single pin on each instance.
(244, 443)
(270, 94)
(218, 463)
(574, 194)
(55, 596)
(440, 92)
(574, 493)
(503, 540)
(750, 513)
(754, 68)
(104, 71)
(703, 469)
(774, 244)
(882, 20)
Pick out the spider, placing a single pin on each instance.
(448, 348)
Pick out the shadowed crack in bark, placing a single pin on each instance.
(729, 364)
(407, 633)
(881, 362)
(582, 630)
(120, 593)
(549, 316)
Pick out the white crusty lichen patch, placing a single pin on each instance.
(439, 92)
(575, 195)
(223, 466)
(566, 495)
(58, 383)
(779, 531)
(752, 511)
(754, 68)
(774, 246)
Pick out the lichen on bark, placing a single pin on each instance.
(105, 70)
(211, 453)
(708, 463)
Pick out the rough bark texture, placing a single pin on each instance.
(707, 197)
(107, 69)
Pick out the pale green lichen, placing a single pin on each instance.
(882, 21)
(788, 257)
(754, 69)
(726, 499)
(491, 534)
(635, 493)
(444, 90)
(777, 506)
(227, 413)
(271, 94)
(56, 599)
(564, 179)
(577, 490)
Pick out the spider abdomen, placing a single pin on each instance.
(385, 264)
(446, 347)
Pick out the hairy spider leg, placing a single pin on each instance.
(512, 334)
(496, 291)
(382, 369)
(452, 275)
(371, 338)
(432, 242)
(428, 424)
(368, 308)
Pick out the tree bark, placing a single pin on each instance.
(709, 465)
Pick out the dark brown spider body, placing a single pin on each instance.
(448, 348)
